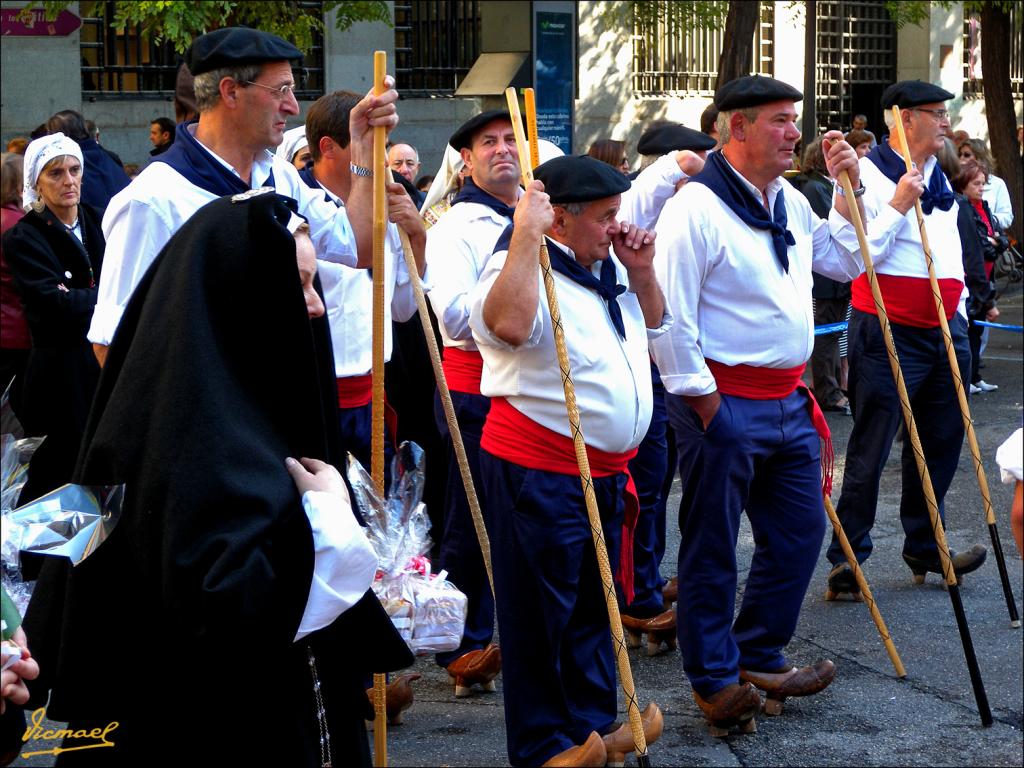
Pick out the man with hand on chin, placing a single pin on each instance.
(560, 697)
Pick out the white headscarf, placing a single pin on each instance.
(294, 141)
(444, 179)
(40, 152)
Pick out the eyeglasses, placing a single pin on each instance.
(939, 114)
(282, 93)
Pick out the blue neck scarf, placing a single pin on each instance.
(607, 287)
(471, 193)
(188, 157)
(936, 195)
(723, 181)
(306, 174)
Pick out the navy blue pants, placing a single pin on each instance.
(556, 649)
(356, 430)
(762, 456)
(648, 469)
(877, 415)
(460, 549)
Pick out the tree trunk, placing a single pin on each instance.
(1002, 122)
(738, 45)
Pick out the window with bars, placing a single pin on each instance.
(973, 84)
(127, 64)
(670, 59)
(436, 43)
(856, 61)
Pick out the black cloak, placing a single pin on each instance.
(56, 276)
(181, 625)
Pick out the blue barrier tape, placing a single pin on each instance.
(821, 330)
(1014, 328)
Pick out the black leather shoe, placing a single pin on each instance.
(963, 562)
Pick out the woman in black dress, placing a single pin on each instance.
(54, 254)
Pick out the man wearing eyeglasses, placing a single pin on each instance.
(889, 193)
(244, 91)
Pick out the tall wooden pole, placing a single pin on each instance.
(380, 213)
(922, 467)
(958, 385)
(582, 460)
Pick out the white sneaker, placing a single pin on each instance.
(984, 386)
(976, 390)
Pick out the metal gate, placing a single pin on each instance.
(856, 60)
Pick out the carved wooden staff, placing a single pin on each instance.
(446, 403)
(958, 385)
(575, 429)
(865, 590)
(922, 467)
(380, 214)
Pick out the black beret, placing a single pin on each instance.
(232, 46)
(753, 91)
(463, 138)
(580, 179)
(665, 138)
(913, 93)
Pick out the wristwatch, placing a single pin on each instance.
(359, 170)
(856, 193)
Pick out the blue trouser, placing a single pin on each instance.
(460, 549)
(876, 417)
(556, 650)
(762, 456)
(648, 469)
(356, 426)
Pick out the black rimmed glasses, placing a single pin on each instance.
(938, 114)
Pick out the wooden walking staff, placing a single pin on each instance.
(575, 428)
(958, 384)
(922, 468)
(865, 590)
(449, 408)
(380, 214)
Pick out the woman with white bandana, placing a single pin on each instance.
(55, 253)
(295, 149)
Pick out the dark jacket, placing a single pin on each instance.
(817, 188)
(981, 292)
(61, 374)
(102, 176)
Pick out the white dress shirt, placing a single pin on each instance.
(732, 300)
(143, 216)
(894, 239)
(651, 189)
(612, 375)
(344, 562)
(458, 247)
(348, 298)
(997, 196)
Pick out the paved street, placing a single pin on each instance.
(867, 717)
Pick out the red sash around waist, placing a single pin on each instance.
(516, 438)
(756, 383)
(355, 391)
(908, 300)
(462, 369)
